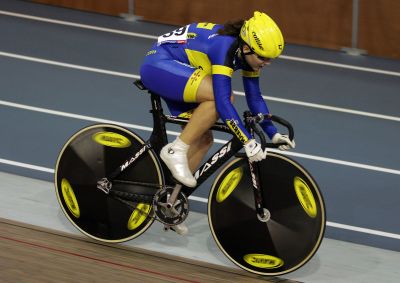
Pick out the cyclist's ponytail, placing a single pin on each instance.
(231, 28)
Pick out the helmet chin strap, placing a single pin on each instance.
(241, 45)
(243, 54)
(247, 53)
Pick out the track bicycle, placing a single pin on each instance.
(267, 217)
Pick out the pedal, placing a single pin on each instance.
(180, 229)
(175, 192)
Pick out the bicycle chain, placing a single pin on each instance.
(117, 195)
(133, 208)
(136, 197)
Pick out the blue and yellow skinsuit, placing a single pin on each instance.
(177, 63)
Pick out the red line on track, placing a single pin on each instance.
(99, 260)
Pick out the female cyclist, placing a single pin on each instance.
(191, 69)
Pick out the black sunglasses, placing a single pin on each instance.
(264, 59)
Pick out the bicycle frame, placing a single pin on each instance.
(158, 139)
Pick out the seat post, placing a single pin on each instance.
(158, 137)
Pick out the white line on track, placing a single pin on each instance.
(205, 200)
(66, 65)
(132, 76)
(26, 166)
(363, 230)
(343, 66)
(149, 129)
(65, 23)
(146, 36)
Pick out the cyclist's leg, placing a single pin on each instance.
(191, 86)
(199, 149)
(204, 116)
(195, 138)
(197, 132)
(169, 78)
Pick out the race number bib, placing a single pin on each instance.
(176, 36)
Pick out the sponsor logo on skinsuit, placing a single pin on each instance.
(232, 124)
(191, 35)
(151, 52)
(195, 76)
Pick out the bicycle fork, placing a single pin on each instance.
(263, 214)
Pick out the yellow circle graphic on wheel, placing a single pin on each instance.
(263, 261)
(111, 139)
(305, 197)
(229, 183)
(139, 215)
(69, 198)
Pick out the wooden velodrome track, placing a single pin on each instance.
(57, 78)
(34, 254)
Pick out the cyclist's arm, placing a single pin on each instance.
(222, 93)
(220, 55)
(255, 101)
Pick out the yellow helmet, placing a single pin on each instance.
(262, 35)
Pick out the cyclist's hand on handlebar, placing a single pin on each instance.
(254, 151)
(278, 138)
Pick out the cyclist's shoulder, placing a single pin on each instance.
(205, 27)
(208, 31)
(204, 37)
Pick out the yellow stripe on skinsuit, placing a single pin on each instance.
(199, 60)
(221, 70)
(193, 83)
(250, 74)
(209, 26)
(187, 114)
